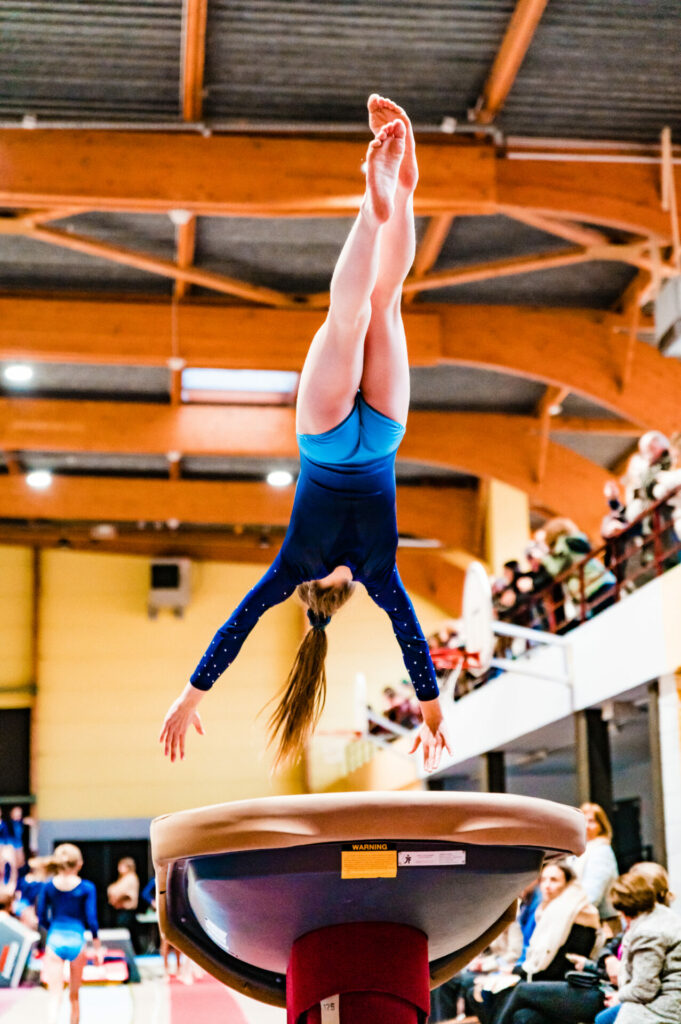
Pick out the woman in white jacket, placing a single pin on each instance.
(597, 867)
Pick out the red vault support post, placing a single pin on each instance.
(379, 972)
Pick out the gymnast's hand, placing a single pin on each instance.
(431, 734)
(181, 714)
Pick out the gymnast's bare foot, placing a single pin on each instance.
(384, 158)
(381, 112)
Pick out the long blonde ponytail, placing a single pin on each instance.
(303, 696)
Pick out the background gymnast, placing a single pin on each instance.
(66, 907)
(350, 419)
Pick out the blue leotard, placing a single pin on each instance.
(66, 915)
(343, 514)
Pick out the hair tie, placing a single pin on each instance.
(318, 622)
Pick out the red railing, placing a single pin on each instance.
(644, 549)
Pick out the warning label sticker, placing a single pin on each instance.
(369, 860)
(431, 858)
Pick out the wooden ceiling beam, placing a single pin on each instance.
(449, 510)
(504, 448)
(514, 46)
(164, 268)
(588, 190)
(240, 175)
(596, 427)
(548, 403)
(571, 232)
(508, 267)
(194, 19)
(147, 333)
(186, 245)
(579, 349)
(151, 543)
(481, 444)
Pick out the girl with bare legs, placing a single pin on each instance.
(350, 419)
(67, 906)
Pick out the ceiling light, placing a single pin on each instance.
(18, 373)
(555, 410)
(199, 379)
(39, 479)
(279, 478)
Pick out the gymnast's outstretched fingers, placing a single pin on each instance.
(431, 735)
(181, 714)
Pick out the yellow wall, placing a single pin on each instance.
(15, 627)
(507, 526)
(108, 673)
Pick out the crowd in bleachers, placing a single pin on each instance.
(587, 946)
(561, 579)
(565, 580)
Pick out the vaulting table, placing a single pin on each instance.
(349, 907)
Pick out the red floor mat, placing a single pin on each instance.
(204, 1002)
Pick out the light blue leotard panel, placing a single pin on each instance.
(365, 434)
(66, 940)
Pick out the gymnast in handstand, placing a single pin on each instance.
(350, 419)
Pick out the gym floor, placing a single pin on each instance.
(153, 1001)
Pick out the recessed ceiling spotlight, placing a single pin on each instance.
(39, 479)
(279, 478)
(18, 373)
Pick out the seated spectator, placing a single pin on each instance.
(567, 546)
(566, 923)
(597, 867)
(655, 462)
(531, 583)
(650, 972)
(621, 542)
(504, 589)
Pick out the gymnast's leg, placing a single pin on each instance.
(53, 976)
(75, 981)
(385, 376)
(335, 361)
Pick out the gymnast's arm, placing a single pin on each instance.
(275, 586)
(91, 922)
(390, 595)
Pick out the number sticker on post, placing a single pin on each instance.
(431, 858)
(330, 1010)
(369, 860)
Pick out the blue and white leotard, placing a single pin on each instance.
(66, 915)
(343, 514)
